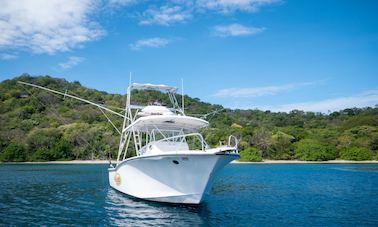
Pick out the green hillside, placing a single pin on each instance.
(38, 126)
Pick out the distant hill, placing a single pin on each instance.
(38, 126)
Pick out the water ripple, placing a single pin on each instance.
(242, 195)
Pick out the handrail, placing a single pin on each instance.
(235, 141)
(203, 142)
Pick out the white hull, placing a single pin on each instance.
(175, 177)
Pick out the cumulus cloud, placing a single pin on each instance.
(54, 26)
(165, 15)
(71, 62)
(235, 30)
(150, 42)
(47, 26)
(259, 91)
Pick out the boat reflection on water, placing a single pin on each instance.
(123, 210)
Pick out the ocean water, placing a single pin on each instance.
(243, 195)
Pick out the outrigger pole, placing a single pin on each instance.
(101, 107)
(74, 97)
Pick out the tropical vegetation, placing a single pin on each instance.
(36, 125)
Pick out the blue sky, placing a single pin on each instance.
(267, 54)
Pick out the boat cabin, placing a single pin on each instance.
(155, 129)
(166, 132)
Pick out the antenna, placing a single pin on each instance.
(128, 93)
(129, 79)
(182, 95)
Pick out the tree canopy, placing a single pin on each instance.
(40, 126)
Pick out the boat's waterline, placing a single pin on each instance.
(174, 178)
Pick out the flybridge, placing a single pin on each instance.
(147, 115)
(171, 91)
(160, 87)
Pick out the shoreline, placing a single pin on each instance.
(233, 162)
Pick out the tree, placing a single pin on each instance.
(79, 135)
(356, 153)
(312, 150)
(50, 127)
(261, 139)
(360, 136)
(280, 147)
(250, 154)
(14, 153)
(47, 144)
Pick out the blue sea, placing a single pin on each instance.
(243, 195)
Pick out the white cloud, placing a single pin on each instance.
(121, 2)
(165, 15)
(6, 57)
(259, 91)
(177, 11)
(230, 6)
(364, 99)
(150, 42)
(71, 62)
(235, 30)
(47, 26)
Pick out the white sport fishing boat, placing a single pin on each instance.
(172, 162)
(167, 167)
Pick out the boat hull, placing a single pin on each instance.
(172, 178)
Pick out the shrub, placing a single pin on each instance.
(356, 153)
(313, 150)
(13, 153)
(41, 155)
(250, 154)
(49, 145)
(43, 138)
(376, 156)
(62, 151)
